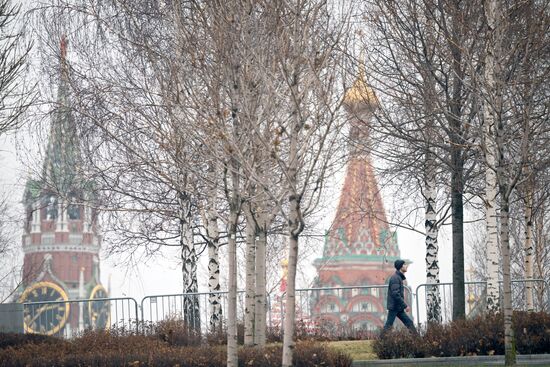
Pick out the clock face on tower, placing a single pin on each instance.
(99, 311)
(45, 318)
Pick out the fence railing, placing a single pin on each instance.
(333, 309)
(67, 318)
(198, 310)
(476, 294)
(341, 311)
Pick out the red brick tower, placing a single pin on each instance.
(360, 248)
(61, 241)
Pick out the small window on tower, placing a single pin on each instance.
(73, 210)
(74, 258)
(51, 207)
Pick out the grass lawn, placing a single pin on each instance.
(359, 350)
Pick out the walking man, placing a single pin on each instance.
(396, 300)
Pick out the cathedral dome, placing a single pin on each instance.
(360, 95)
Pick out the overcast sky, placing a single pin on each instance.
(162, 275)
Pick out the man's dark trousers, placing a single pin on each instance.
(401, 315)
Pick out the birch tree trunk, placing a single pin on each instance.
(191, 311)
(260, 294)
(233, 195)
(290, 302)
(491, 192)
(232, 358)
(210, 217)
(493, 14)
(491, 189)
(250, 287)
(295, 227)
(214, 299)
(433, 299)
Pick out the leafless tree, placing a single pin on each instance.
(515, 70)
(420, 57)
(16, 93)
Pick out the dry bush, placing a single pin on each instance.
(115, 348)
(478, 336)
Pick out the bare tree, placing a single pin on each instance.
(420, 58)
(514, 68)
(7, 239)
(309, 53)
(16, 93)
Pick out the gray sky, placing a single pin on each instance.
(162, 275)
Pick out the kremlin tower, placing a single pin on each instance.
(61, 243)
(359, 248)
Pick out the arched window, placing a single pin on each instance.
(330, 307)
(363, 306)
(365, 325)
(73, 209)
(50, 203)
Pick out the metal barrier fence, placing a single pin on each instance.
(340, 310)
(476, 294)
(196, 309)
(343, 310)
(68, 318)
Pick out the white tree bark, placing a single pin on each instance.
(491, 192)
(290, 301)
(295, 227)
(492, 108)
(233, 195)
(250, 279)
(210, 218)
(491, 189)
(232, 357)
(191, 311)
(433, 298)
(214, 299)
(260, 294)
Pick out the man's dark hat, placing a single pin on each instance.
(398, 264)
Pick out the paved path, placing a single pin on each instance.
(522, 360)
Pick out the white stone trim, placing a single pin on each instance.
(35, 223)
(62, 224)
(61, 248)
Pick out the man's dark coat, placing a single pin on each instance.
(396, 298)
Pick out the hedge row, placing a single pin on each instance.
(478, 336)
(121, 349)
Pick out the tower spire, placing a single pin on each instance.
(63, 47)
(63, 151)
(360, 243)
(63, 56)
(360, 96)
(360, 232)
(360, 102)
